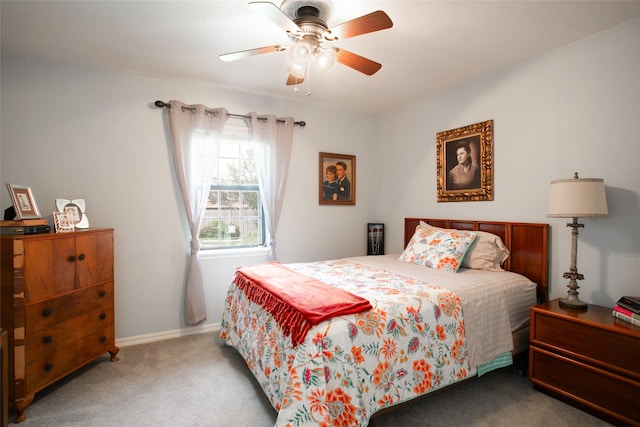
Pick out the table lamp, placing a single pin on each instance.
(576, 198)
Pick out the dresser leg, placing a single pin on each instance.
(21, 405)
(114, 354)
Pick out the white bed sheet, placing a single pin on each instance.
(494, 304)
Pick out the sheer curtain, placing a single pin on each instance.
(272, 140)
(195, 132)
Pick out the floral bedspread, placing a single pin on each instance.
(349, 367)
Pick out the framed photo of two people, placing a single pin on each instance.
(465, 163)
(337, 181)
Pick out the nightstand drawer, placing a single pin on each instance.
(591, 344)
(613, 395)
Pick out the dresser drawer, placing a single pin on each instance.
(64, 334)
(95, 344)
(591, 344)
(45, 368)
(616, 396)
(49, 360)
(46, 314)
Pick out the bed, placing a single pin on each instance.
(423, 328)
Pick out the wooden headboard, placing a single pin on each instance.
(527, 242)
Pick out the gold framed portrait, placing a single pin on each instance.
(465, 163)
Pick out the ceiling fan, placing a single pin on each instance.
(305, 22)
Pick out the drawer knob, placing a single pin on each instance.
(72, 258)
(48, 367)
(103, 316)
(47, 312)
(81, 257)
(47, 339)
(102, 294)
(103, 339)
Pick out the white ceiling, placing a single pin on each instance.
(432, 46)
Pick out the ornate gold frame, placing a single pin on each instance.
(479, 136)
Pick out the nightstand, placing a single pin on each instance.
(589, 359)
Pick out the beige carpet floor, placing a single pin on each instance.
(198, 381)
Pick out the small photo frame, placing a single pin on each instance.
(63, 222)
(465, 163)
(76, 210)
(337, 181)
(23, 202)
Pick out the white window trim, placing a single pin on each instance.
(206, 254)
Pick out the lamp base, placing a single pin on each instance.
(573, 302)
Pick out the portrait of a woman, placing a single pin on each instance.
(465, 174)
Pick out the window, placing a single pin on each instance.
(233, 217)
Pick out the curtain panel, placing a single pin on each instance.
(272, 140)
(195, 133)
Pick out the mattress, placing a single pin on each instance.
(495, 304)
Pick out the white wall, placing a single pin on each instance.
(576, 108)
(71, 132)
(80, 133)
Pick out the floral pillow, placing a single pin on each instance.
(438, 248)
(487, 252)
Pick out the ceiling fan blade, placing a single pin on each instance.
(374, 21)
(357, 62)
(293, 80)
(234, 56)
(275, 15)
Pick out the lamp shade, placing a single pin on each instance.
(577, 198)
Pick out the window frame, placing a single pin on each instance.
(233, 133)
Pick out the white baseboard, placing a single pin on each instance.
(159, 336)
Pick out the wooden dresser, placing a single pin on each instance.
(57, 307)
(4, 397)
(587, 358)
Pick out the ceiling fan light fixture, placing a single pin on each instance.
(300, 53)
(298, 71)
(324, 59)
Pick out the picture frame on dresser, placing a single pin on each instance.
(63, 222)
(76, 209)
(23, 201)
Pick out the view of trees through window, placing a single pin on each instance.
(233, 217)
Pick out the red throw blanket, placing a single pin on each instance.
(297, 302)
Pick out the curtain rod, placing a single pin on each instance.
(301, 123)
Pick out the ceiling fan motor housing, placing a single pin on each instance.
(297, 8)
